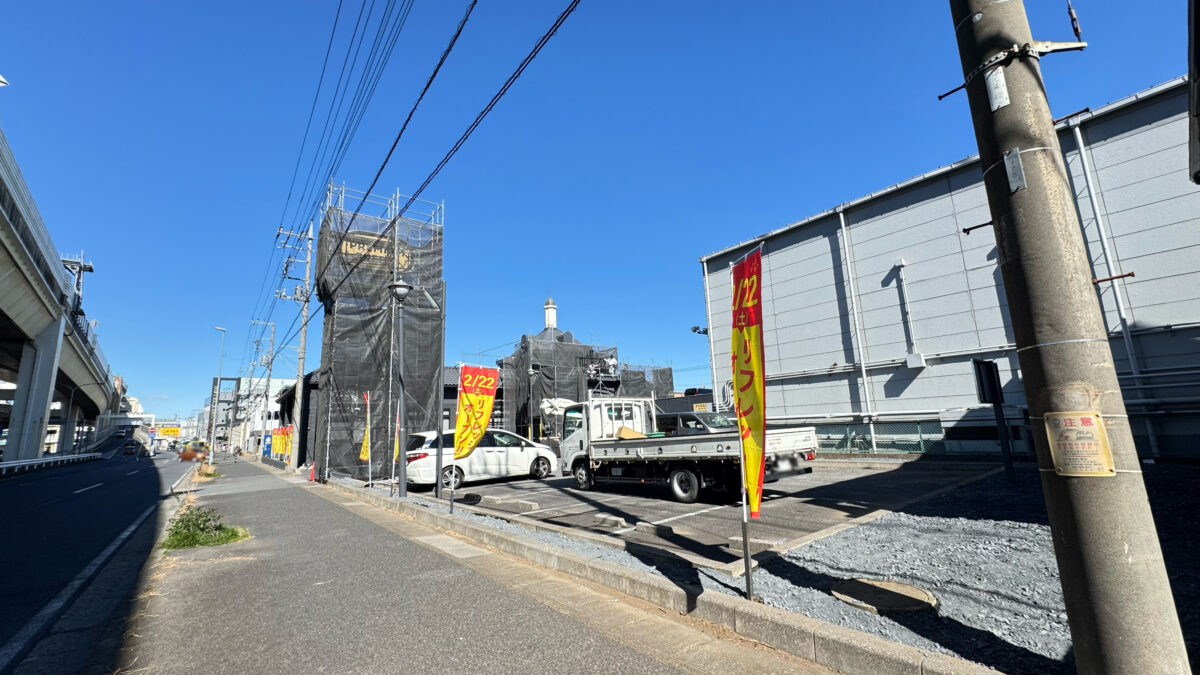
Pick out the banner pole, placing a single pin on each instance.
(370, 475)
(746, 526)
(453, 473)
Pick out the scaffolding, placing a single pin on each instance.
(365, 243)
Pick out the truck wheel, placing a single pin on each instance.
(584, 480)
(685, 485)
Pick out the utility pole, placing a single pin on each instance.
(301, 294)
(1118, 599)
(268, 360)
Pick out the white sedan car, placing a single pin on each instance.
(500, 454)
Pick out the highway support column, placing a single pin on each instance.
(1118, 599)
(35, 391)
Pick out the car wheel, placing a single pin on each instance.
(452, 478)
(540, 469)
(685, 485)
(584, 480)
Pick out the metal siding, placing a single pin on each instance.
(953, 286)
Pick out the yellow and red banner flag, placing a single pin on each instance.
(476, 395)
(364, 453)
(749, 383)
(396, 452)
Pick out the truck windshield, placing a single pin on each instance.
(572, 420)
(715, 420)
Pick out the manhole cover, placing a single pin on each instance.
(884, 597)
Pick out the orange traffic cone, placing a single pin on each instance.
(312, 473)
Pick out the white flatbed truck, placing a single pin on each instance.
(614, 440)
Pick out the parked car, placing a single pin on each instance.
(499, 454)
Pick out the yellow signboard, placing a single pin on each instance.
(168, 431)
(1079, 444)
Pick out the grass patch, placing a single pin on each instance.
(200, 526)
(206, 471)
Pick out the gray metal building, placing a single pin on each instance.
(875, 308)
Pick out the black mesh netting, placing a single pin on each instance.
(562, 368)
(367, 336)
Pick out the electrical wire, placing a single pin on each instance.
(545, 38)
(403, 127)
(463, 138)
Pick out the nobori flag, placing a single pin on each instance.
(364, 453)
(476, 394)
(749, 389)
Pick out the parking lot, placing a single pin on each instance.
(707, 533)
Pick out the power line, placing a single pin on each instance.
(263, 297)
(462, 139)
(403, 127)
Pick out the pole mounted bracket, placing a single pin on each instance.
(1035, 50)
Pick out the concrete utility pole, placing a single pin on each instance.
(304, 292)
(270, 359)
(1119, 602)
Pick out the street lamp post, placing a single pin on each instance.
(212, 434)
(532, 372)
(399, 292)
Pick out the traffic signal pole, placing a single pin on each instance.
(1119, 603)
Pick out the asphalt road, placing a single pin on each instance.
(54, 522)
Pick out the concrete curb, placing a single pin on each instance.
(845, 650)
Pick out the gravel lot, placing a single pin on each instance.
(984, 550)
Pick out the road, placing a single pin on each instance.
(55, 521)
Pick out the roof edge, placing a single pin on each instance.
(1075, 119)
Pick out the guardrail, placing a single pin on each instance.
(21, 465)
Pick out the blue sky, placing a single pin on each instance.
(160, 139)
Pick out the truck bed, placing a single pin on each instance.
(701, 446)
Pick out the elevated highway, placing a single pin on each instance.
(47, 347)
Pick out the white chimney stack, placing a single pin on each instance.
(551, 313)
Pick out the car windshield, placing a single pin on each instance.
(715, 420)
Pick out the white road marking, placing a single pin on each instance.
(353, 503)
(132, 472)
(87, 488)
(572, 506)
(664, 521)
(21, 641)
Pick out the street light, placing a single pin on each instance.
(212, 415)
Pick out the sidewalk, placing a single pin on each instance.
(330, 584)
